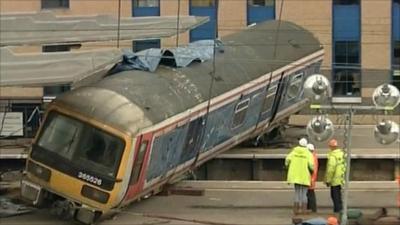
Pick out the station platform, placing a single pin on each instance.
(281, 153)
(244, 203)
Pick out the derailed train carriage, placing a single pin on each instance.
(105, 145)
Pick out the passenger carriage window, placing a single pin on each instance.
(240, 113)
(295, 87)
(138, 164)
(269, 99)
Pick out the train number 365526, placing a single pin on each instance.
(89, 178)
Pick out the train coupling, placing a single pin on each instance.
(68, 210)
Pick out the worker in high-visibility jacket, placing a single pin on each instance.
(334, 175)
(311, 199)
(300, 164)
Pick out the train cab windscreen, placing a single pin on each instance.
(78, 144)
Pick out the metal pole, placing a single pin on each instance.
(119, 22)
(348, 161)
(177, 23)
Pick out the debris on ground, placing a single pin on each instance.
(9, 208)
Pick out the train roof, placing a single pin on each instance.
(132, 100)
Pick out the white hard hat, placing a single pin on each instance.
(310, 147)
(303, 142)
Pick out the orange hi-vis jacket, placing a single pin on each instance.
(314, 175)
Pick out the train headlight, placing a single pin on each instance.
(386, 132)
(39, 171)
(94, 194)
(320, 128)
(317, 88)
(386, 95)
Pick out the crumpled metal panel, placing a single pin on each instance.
(42, 69)
(45, 28)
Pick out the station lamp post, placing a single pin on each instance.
(318, 90)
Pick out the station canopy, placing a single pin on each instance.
(46, 28)
(41, 69)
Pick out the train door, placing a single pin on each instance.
(193, 139)
(142, 149)
(280, 94)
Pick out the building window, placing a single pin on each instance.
(346, 69)
(138, 46)
(346, 82)
(260, 10)
(54, 4)
(50, 92)
(347, 53)
(396, 64)
(296, 85)
(208, 30)
(269, 99)
(202, 3)
(261, 2)
(146, 3)
(240, 113)
(396, 43)
(346, 2)
(396, 54)
(60, 48)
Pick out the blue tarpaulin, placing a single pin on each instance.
(150, 59)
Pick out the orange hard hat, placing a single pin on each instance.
(332, 143)
(332, 221)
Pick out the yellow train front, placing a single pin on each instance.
(77, 166)
(105, 145)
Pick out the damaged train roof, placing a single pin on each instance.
(247, 55)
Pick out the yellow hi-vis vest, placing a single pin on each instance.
(300, 164)
(335, 168)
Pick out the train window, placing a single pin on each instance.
(137, 167)
(78, 142)
(295, 87)
(269, 99)
(240, 113)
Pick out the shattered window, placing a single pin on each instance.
(296, 83)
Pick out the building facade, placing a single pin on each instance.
(361, 38)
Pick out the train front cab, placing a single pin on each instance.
(78, 166)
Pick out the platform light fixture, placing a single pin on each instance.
(317, 88)
(320, 128)
(386, 132)
(387, 96)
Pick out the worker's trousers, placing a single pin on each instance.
(311, 200)
(336, 195)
